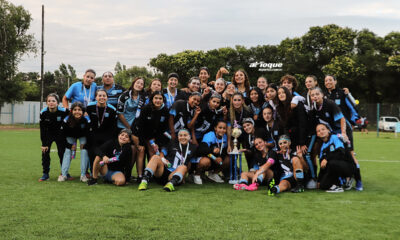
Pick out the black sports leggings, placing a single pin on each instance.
(333, 170)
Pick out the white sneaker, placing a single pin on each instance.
(215, 177)
(335, 189)
(62, 178)
(312, 184)
(84, 178)
(197, 179)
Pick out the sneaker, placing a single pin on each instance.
(335, 189)
(83, 178)
(298, 189)
(142, 186)
(169, 187)
(359, 186)
(45, 177)
(62, 178)
(240, 186)
(69, 178)
(92, 181)
(312, 184)
(252, 187)
(348, 185)
(215, 177)
(87, 175)
(197, 179)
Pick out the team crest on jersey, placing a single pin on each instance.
(332, 148)
(337, 101)
(327, 114)
(58, 118)
(82, 125)
(276, 132)
(162, 119)
(106, 114)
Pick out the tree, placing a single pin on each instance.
(125, 76)
(14, 43)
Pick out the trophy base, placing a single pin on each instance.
(234, 153)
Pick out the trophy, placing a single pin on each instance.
(236, 132)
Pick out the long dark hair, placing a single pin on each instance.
(260, 99)
(152, 97)
(246, 80)
(72, 122)
(284, 109)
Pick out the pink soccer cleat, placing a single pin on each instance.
(252, 187)
(239, 186)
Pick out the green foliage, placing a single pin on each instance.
(72, 210)
(14, 43)
(125, 76)
(364, 62)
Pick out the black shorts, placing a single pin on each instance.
(291, 180)
(164, 177)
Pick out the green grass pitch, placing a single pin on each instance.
(71, 210)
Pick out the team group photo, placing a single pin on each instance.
(219, 126)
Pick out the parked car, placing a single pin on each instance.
(387, 123)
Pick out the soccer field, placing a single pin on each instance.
(71, 210)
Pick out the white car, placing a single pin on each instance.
(387, 123)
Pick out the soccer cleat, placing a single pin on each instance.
(298, 189)
(359, 185)
(239, 186)
(348, 184)
(45, 177)
(215, 177)
(312, 184)
(335, 189)
(272, 191)
(62, 178)
(270, 186)
(197, 179)
(142, 186)
(83, 178)
(252, 187)
(169, 187)
(92, 181)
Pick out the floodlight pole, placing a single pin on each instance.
(42, 58)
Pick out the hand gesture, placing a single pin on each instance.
(223, 70)
(323, 163)
(197, 111)
(216, 150)
(44, 149)
(106, 159)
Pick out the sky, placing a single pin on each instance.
(98, 33)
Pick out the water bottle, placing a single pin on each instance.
(167, 135)
(165, 161)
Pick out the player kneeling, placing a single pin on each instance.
(264, 167)
(292, 168)
(171, 165)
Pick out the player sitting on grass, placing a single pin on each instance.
(292, 165)
(170, 166)
(264, 160)
(112, 159)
